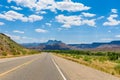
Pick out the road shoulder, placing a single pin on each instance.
(77, 71)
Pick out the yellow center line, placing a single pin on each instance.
(15, 68)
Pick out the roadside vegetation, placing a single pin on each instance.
(105, 61)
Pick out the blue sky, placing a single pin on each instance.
(71, 21)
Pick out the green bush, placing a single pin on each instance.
(86, 58)
(117, 68)
(15, 53)
(4, 53)
(102, 59)
(76, 56)
(113, 56)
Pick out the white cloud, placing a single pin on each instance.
(14, 37)
(71, 6)
(89, 22)
(69, 21)
(25, 3)
(16, 8)
(48, 24)
(12, 16)
(42, 12)
(1, 23)
(88, 14)
(17, 31)
(114, 10)
(33, 18)
(112, 21)
(39, 5)
(41, 30)
(117, 36)
(101, 17)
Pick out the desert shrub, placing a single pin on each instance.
(113, 56)
(102, 59)
(100, 54)
(15, 53)
(24, 52)
(86, 58)
(117, 61)
(4, 53)
(117, 68)
(77, 56)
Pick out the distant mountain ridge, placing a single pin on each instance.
(95, 45)
(49, 45)
(59, 45)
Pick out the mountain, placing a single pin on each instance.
(49, 45)
(9, 47)
(108, 47)
(96, 45)
(59, 45)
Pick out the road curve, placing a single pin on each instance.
(37, 67)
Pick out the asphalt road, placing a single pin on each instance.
(46, 66)
(36, 67)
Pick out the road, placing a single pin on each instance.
(46, 66)
(37, 67)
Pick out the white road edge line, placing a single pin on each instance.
(64, 78)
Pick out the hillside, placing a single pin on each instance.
(9, 47)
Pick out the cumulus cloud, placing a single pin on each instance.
(33, 18)
(114, 10)
(39, 5)
(41, 30)
(112, 21)
(71, 6)
(69, 21)
(17, 31)
(89, 22)
(25, 3)
(16, 8)
(88, 14)
(1, 23)
(12, 16)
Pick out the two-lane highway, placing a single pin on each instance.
(37, 67)
(46, 66)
